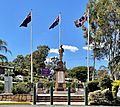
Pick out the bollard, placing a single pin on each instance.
(34, 94)
(69, 97)
(86, 95)
(51, 94)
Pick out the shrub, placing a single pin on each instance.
(21, 88)
(107, 94)
(1, 87)
(101, 97)
(26, 78)
(2, 78)
(47, 85)
(93, 86)
(73, 85)
(105, 83)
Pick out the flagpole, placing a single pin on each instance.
(59, 29)
(31, 46)
(88, 53)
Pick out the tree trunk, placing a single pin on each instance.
(93, 74)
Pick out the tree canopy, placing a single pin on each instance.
(104, 28)
(22, 63)
(80, 73)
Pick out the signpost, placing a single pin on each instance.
(45, 71)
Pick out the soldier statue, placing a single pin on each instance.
(61, 50)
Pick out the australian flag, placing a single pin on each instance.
(79, 22)
(26, 21)
(55, 23)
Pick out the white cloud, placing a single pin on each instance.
(86, 47)
(54, 51)
(70, 48)
(66, 47)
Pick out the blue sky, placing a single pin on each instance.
(44, 12)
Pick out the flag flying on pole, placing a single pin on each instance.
(80, 22)
(55, 23)
(26, 21)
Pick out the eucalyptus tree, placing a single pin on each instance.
(104, 28)
(102, 72)
(114, 65)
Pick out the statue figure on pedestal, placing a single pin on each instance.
(61, 50)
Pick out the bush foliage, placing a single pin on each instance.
(101, 97)
(93, 86)
(1, 87)
(105, 83)
(21, 88)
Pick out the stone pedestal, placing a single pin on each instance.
(60, 77)
(60, 81)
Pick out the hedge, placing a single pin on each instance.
(93, 86)
(1, 87)
(21, 88)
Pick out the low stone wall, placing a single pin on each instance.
(17, 97)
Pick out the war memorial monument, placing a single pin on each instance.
(60, 84)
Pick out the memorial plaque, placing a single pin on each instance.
(61, 77)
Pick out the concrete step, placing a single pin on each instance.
(60, 98)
